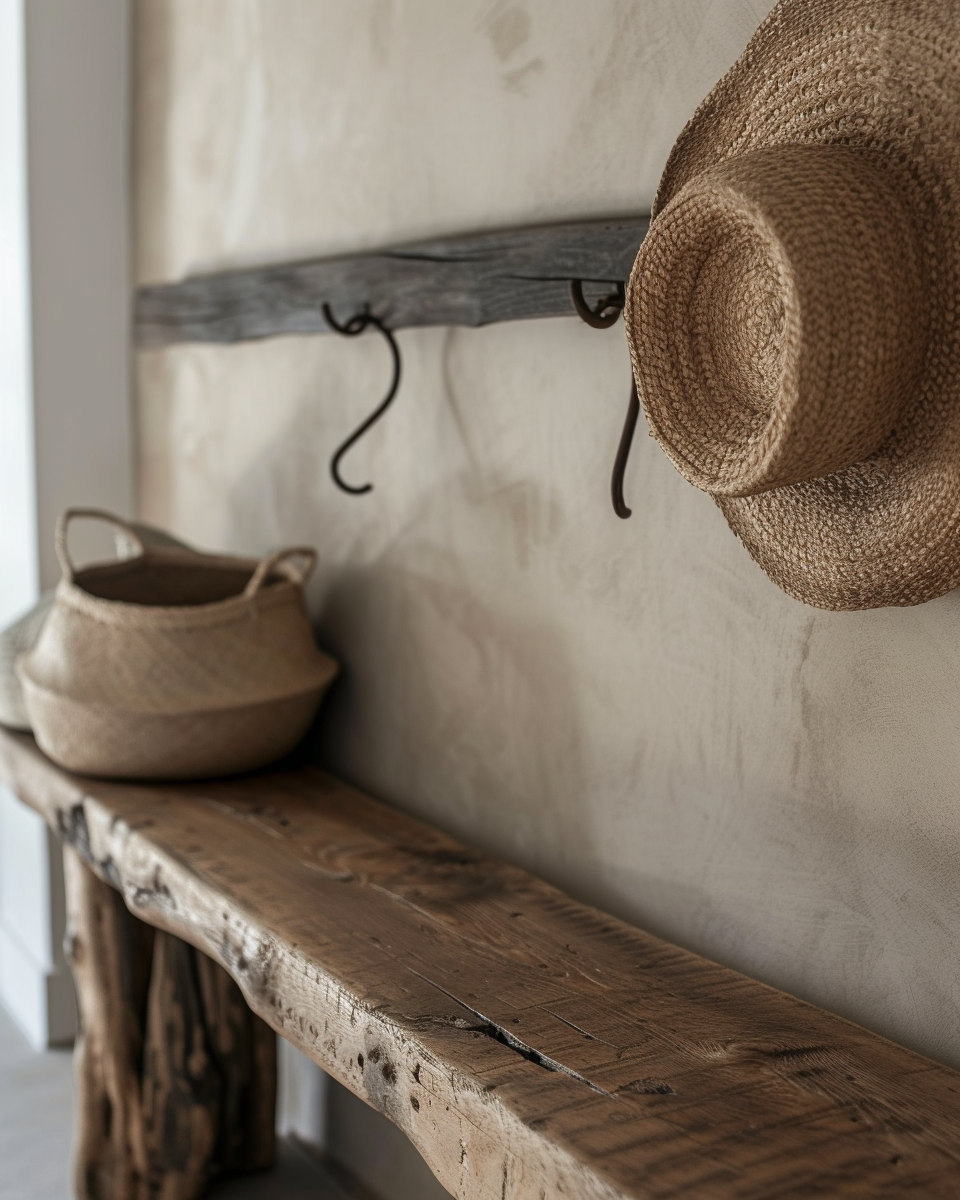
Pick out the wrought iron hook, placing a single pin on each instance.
(606, 312)
(356, 325)
(623, 454)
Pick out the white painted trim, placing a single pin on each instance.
(35, 983)
(78, 153)
(41, 1002)
(66, 425)
(19, 576)
(302, 1097)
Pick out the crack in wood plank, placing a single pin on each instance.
(491, 1028)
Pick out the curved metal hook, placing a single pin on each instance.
(606, 311)
(356, 325)
(623, 454)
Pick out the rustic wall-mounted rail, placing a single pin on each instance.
(475, 280)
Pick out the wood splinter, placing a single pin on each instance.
(176, 1077)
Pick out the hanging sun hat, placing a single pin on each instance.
(792, 314)
(174, 664)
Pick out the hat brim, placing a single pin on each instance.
(882, 75)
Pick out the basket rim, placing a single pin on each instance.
(125, 612)
(327, 670)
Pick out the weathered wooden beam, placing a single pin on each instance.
(475, 280)
(176, 1077)
(529, 1046)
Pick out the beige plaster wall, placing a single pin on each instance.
(628, 708)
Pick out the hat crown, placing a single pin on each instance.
(775, 316)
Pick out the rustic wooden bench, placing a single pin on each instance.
(529, 1046)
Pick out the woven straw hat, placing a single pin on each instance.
(174, 664)
(793, 312)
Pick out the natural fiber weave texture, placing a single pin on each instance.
(22, 635)
(174, 664)
(792, 314)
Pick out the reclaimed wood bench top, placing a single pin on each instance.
(530, 1046)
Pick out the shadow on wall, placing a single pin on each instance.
(458, 699)
(484, 703)
(861, 838)
(441, 683)
(630, 710)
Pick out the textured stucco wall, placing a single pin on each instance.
(628, 708)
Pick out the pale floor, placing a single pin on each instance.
(36, 1113)
(36, 1116)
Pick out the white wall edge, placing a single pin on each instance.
(66, 410)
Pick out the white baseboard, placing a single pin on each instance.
(35, 983)
(302, 1089)
(40, 1000)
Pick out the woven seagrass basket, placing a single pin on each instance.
(173, 664)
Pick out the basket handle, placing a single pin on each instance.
(266, 565)
(94, 514)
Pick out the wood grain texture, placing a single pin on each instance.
(475, 280)
(109, 952)
(176, 1077)
(531, 1047)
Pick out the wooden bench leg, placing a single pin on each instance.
(176, 1077)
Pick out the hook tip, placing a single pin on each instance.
(623, 454)
(349, 488)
